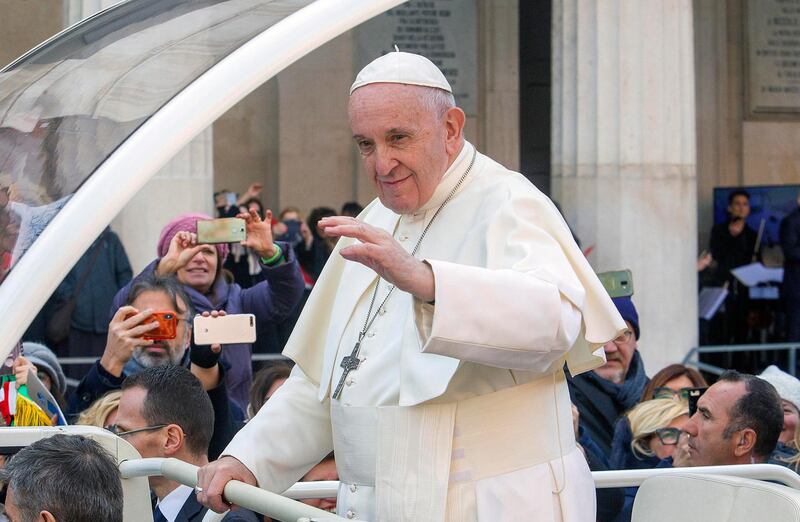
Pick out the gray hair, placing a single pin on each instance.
(168, 285)
(437, 100)
(70, 476)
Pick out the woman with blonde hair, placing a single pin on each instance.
(102, 412)
(788, 387)
(656, 426)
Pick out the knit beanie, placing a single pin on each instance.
(187, 223)
(44, 359)
(628, 312)
(788, 386)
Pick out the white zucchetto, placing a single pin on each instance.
(405, 68)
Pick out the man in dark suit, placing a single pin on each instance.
(165, 412)
(790, 242)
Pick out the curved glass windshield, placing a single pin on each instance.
(67, 105)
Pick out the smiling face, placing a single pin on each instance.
(405, 143)
(791, 418)
(168, 351)
(200, 272)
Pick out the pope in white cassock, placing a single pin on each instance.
(430, 353)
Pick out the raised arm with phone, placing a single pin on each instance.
(198, 267)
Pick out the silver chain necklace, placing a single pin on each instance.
(352, 362)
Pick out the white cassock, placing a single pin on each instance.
(459, 410)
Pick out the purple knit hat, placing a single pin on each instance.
(187, 223)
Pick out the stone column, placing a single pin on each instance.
(185, 184)
(623, 154)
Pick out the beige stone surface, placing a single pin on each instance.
(771, 152)
(623, 154)
(25, 24)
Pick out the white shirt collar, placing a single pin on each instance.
(450, 177)
(172, 504)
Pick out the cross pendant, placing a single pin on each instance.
(349, 363)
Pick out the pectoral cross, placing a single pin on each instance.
(349, 363)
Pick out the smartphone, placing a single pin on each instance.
(225, 230)
(228, 329)
(694, 396)
(618, 283)
(167, 326)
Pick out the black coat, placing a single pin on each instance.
(193, 511)
(790, 243)
(600, 402)
(729, 251)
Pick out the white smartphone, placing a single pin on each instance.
(228, 329)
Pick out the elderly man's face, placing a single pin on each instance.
(706, 428)
(619, 354)
(403, 142)
(168, 351)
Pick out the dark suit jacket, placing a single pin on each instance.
(193, 511)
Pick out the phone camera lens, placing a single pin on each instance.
(168, 316)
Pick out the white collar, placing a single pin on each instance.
(172, 504)
(450, 178)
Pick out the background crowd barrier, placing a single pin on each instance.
(693, 357)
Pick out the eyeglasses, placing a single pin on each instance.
(113, 428)
(623, 338)
(662, 392)
(668, 436)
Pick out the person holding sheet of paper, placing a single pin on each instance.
(733, 244)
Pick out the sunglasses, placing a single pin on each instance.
(668, 436)
(113, 428)
(662, 392)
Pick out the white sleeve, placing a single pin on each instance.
(287, 437)
(481, 316)
(521, 310)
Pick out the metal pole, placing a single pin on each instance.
(239, 493)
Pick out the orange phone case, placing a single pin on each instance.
(167, 326)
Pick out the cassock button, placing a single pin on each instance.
(382, 311)
(349, 381)
(353, 488)
(403, 237)
(371, 334)
(350, 514)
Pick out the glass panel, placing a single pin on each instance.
(66, 106)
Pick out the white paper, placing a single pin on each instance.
(709, 301)
(756, 273)
(41, 396)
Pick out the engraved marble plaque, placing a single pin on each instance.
(444, 31)
(773, 56)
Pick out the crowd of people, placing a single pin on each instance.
(625, 420)
(461, 396)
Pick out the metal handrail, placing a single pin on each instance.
(609, 479)
(239, 493)
(634, 477)
(692, 358)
